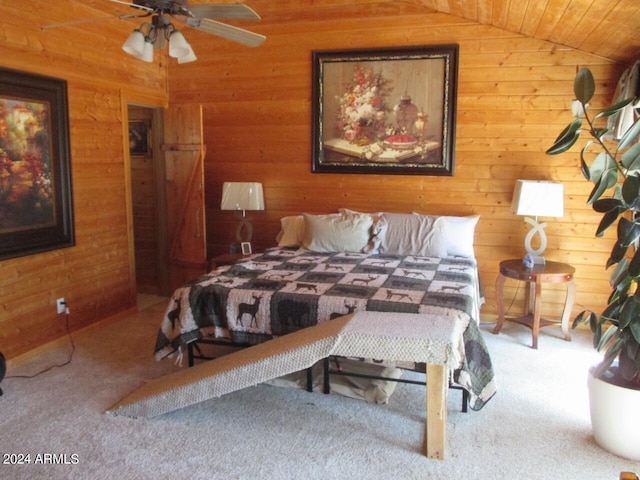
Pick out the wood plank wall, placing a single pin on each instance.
(513, 98)
(95, 276)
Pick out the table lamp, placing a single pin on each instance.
(242, 196)
(537, 198)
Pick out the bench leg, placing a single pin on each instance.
(326, 388)
(436, 424)
(190, 354)
(310, 379)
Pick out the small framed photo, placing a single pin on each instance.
(139, 139)
(246, 248)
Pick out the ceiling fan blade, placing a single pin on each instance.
(133, 5)
(86, 20)
(229, 12)
(229, 32)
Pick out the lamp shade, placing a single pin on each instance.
(242, 196)
(537, 198)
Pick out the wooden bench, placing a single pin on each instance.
(430, 339)
(433, 340)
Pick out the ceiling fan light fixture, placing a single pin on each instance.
(159, 32)
(178, 46)
(134, 45)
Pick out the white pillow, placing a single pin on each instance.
(459, 233)
(414, 234)
(378, 229)
(292, 231)
(336, 233)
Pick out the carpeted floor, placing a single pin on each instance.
(536, 427)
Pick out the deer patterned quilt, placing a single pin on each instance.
(286, 289)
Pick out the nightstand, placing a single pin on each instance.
(224, 259)
(550, 272)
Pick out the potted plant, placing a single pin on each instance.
(615, 173)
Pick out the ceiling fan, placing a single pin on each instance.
(160, 30)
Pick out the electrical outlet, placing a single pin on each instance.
(60, 304)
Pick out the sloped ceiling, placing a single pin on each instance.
(607, 28)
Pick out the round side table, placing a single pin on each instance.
(550, 272)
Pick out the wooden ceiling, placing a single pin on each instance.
(607, 28)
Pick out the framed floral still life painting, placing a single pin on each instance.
(388, 111)
(36, 211)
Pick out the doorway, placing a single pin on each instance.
(145, 134)
(167, 196)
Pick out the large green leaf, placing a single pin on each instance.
(606, 221)
(607, 335)
(604, 205)
(606, 180)
(586, 173)
(611, 311)
(584, 85)
(620, 273)
(632, 235)
(583, 317)
(614, 108)
(634, 328)
(631, 159)
(617, 253)
(628, 231)
(630, 135)
(602, 164)
(630, 189)
(630, 310)
(584, 168)
(634, 267)
(567, 138)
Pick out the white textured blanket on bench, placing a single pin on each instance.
(432, 339)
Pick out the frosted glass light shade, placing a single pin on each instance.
(147, 54)
(178, 46)
(134, 45)
(189, 57)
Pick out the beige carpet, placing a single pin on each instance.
(536, 427)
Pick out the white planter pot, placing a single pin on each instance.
(615, 417)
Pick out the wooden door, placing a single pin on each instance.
(184, 180)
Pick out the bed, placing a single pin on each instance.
(327, 266)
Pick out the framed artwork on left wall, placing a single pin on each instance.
(36, 204)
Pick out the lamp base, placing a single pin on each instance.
(530, 261)
(534, 255)
(244, 232)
